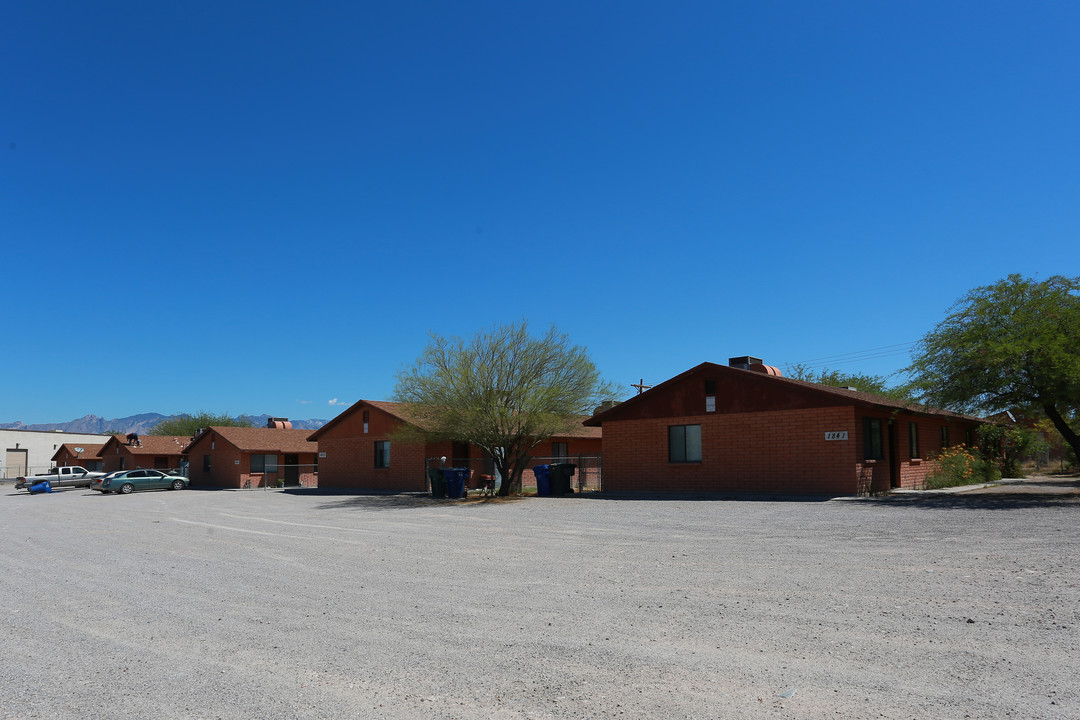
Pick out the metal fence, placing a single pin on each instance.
(284, 476)
(588, 472)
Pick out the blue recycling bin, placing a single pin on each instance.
(543, 479)
(41, 487)
(455, 481)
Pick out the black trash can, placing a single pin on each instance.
(560, 478)
(437, 479)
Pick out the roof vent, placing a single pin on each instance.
(605, 406)
(744, 362)
(748, 362)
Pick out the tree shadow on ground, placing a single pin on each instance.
(983, 501)
(702, 497)
(404, 501)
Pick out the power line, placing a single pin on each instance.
(905, 345)
(877, 353)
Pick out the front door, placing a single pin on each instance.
(292, 470)
(894, 466)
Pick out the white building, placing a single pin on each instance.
(29, 452)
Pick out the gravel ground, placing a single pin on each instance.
(276, 605)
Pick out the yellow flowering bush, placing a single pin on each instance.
(961, 465)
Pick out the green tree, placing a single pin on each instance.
(1013, 345)
(188, 425)
(504, 391)
(874, 384)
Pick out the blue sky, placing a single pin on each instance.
(266, 207)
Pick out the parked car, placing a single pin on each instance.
(125, 481)
(65, 476)
(95, 484)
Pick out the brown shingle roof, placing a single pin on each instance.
(88, 451)
(157, 444)
(268, 439)
(855, 397)
(401, 412)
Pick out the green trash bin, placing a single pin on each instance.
(437, 480)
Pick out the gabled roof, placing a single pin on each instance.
(833, 395)
(152, 444)
(400, 411)
(396, 410)
(257, 439)
(80, 451)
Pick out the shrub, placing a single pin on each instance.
(960, 465)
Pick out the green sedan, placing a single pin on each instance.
(127, 481)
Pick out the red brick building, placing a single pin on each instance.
(160, 452)
(356, 450)
(744, 428)
(87, 456)
(242, 457)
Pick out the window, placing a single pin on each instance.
(559, 451)
(206, 463)
(871, 439)
(684, 443)
(264, 463)
(710, 395)
(382, 454)
(913, 440)
(944, 436)
(366, 419)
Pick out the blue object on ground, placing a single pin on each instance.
(543, 479)
(455, 481)
(41, 487)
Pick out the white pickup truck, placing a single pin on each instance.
(66, 476)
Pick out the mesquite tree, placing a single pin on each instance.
(503, 390)
(1013, 345)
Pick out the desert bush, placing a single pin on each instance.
(961, 465)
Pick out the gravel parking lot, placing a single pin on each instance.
(258, 604)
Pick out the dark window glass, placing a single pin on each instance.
(872, 439)
(559, 451)
(382, 454)
(944, 437)
(684, 443)
(913, 439)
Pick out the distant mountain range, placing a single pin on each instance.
(138, 423)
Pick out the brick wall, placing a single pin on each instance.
(224, 472)
(780, 451)
(742, 452)
(349, 462)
